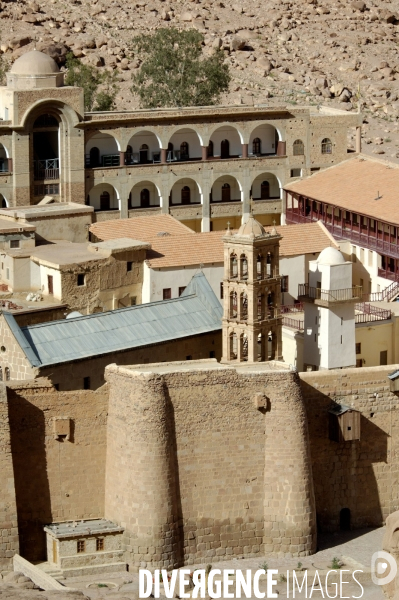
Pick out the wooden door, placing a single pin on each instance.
(105, 201)
(226, 192)
(145, 198)
(265, 190)
(50, 284)
(225, 149)
(185, 195)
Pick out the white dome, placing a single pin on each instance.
(331, 256)
(34, 63)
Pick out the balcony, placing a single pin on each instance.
(306, 293)
(378, 241)
(46, 169)
(106, 160)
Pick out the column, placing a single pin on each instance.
(245, 150)
(121, 159)
(164, 154)
(204, 152)
(10, 165)
(358, 139)
(206, 205)
(281, 149)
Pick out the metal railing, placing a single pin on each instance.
(292, 308)
(342, 295)
(369, 313)
(47, 169)
(293, 323)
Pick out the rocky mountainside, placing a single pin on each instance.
(301, 52)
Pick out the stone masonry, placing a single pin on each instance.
(195, 470)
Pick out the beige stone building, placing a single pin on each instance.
(200, 165)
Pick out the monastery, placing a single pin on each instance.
(147, 418)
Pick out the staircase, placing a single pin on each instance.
(391, 292)
(52, 570)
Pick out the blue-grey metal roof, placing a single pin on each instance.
(196, 311)
(394, 375)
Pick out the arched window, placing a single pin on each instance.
(185, 195)
(94, 157)
(184, 151)
(326, 146)
(129, 156)
(244, 347)
(233, 266)
(144, 153)
(244, 266)
(210, 148)
(268, 265)
(145, 198)
(233, 346)
(259, 264)
(226, 192)
(105, 201)
(225, 149)
(169, 156)
(243, 307)
(7, 373)
(261, 306)
(233, 305)
(256, 146)
(298, 148)
(264, 190)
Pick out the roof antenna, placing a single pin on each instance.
(378, 196)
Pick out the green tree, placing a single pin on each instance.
(90, 79)
(174, 71)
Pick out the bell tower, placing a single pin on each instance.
(251, 295)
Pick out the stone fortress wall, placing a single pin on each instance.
(362, 476)
(194, 471)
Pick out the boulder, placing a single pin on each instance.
(186, 16)
(18, 42)
(237, 43)
(359, 5)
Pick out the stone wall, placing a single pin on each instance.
(196, 472)
(359, 475)
(12, 356)
(55, 479)
(8, 509)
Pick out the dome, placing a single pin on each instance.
(34, 63)
(251, 228)
(331, 256)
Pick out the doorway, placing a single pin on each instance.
(265, 190)
(50, 284)
(225, 149)
(345, 519)
(145, 198)
(105, 201)
(144, 154)
(226, 192)
(185, 195)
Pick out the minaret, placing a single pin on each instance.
(252, 294)
(329, 300)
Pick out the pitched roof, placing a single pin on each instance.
(354, 185)
(196, 311)
(194, 249)
(304, 238)
(140, 228)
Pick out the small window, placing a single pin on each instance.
(14, 243)
(100, 544)
(326, 146)
(7, 273)
(284, 283)
(296, 172)
(212, 354)
(181, 290)
(358, 348)
(86, 383)
(221, 290)
(8, 373)
(1, 374)
(81, 546)
(81, 279)
(133, 300)
(298, 148)
(129, 266)
(167, 293)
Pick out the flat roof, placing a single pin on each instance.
(201, 365)
(64, 253)
(45, 210)
(12, 227)
(121, 245)
(362, 185)
(82, 528)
